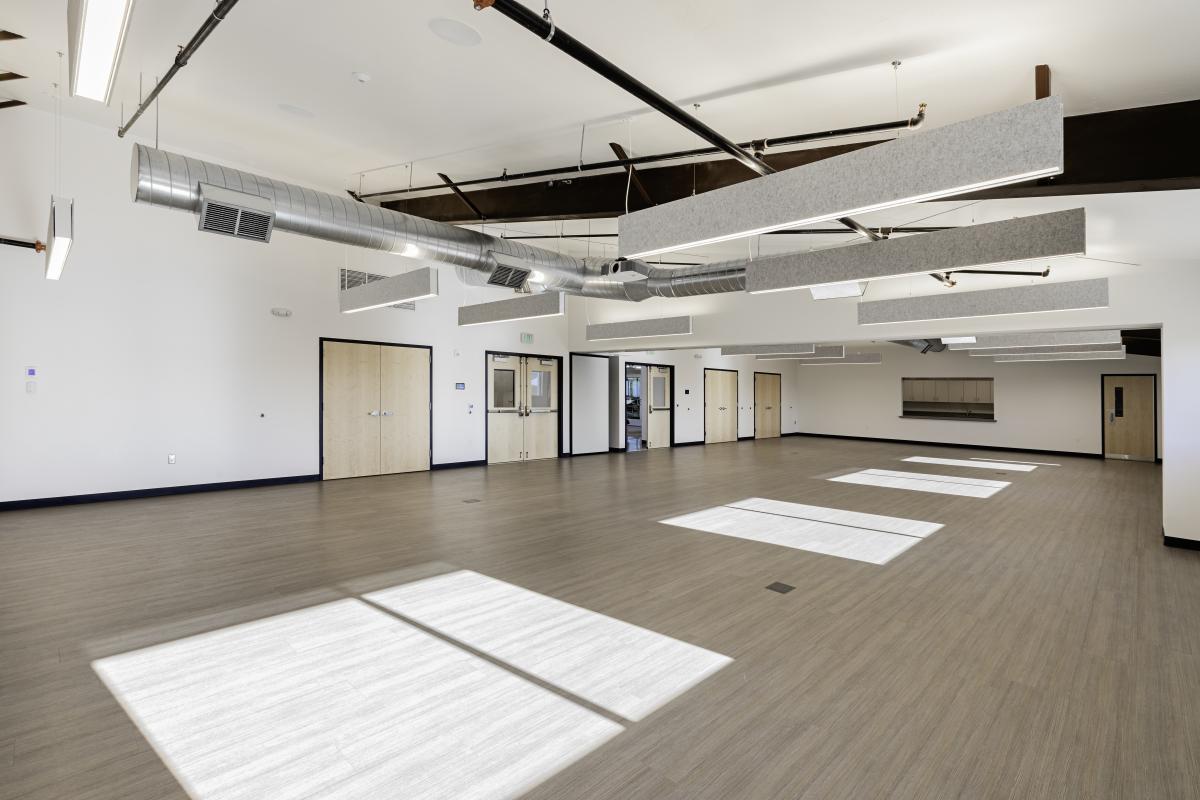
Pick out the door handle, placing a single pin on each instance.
(372, 413)
(1112, 416)
(387, 413)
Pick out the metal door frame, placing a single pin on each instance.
(780, 376)
(674, 402)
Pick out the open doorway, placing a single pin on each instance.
(649, 398)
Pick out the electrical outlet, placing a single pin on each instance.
(170, 458)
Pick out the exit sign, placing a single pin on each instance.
(526, 338)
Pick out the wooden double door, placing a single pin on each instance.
(768, 399)
(522, 411)
(375, 408)
(720, 405)
(1130, 417)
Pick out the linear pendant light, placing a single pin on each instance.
(59, 236)
(951, 340)
(419, 284)
(526, 306)
(1067, 296)
(794, 349)
(852, 359)
(1046, 349)
(1006, 341)
(1010, 146)
(1054, 235)
(820, 351)
(835, 291)
(637, 328)
(1063, 356)
(95, 38)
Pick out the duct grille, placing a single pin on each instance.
(252, 225)
(509, 277)
(239, 214)
(349, 278)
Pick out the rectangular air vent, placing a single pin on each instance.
(509, 277)
(246, 216)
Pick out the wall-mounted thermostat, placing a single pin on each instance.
(460, 386)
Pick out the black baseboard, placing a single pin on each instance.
(687, 444)
(135, 494)
(589, 453)
(1182, 544)
(459, 464)
(744, 438)
(617, 449)
(995, 448)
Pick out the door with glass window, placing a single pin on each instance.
(658, 421)
(522, 415)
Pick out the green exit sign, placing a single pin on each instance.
(526, 338)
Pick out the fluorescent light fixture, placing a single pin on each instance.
(821, 351)
(525, 306)
(958, 340)
(1010, 146)
(420, 284)
(59, 235)
(1043, 236)
(793, 349)
(1118, 354)
(95, 38)
(1008, 341)
(1046, 350)
(834, 291)
(867, 359)
(638, 328)
(1066, 296)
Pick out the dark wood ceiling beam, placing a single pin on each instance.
(632, 174)
(1041, 81)
(11, 103)
(1130, 150)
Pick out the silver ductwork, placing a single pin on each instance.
(166, 179)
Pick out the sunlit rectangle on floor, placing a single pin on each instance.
(824, 537)
(920, 482)
(343, 700)
(854, 519)
(957, 462)
(1010, 461)
(625, 669)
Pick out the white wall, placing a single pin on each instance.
(590, 410)
(159, 338)
(1051, 405)
(689, 390)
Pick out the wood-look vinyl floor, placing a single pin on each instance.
(1043, 644)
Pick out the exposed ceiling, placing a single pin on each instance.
(273, 90)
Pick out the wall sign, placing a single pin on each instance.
(460, 386)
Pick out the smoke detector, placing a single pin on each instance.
(361, 77)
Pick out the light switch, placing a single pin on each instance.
(30, 387)
(170, 458)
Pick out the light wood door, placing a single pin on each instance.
(505, 409)
(522, 408)
(404, 409)
(720, 406)
(541, 408)
(659, 405)
(350, 420)
(1129, 417)
(767, 400)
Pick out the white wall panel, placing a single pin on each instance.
(590, 412)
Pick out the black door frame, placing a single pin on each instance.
(674, 402)
(1104, 428)
(737, 402)
(487, 354)
(571, 405)
(321, 396)
(755, 406)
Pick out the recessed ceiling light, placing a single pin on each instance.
(296, 110)
(455, 32)
(361, 77)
